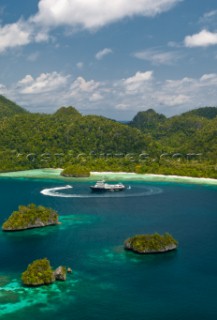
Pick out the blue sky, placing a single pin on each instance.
(111, 58)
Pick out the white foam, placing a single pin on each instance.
(140, 191)
(52, 192)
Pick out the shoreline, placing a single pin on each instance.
(55, 174)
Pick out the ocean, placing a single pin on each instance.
(108, 283)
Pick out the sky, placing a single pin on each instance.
(110, 58)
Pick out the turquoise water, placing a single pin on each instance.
(107, 282)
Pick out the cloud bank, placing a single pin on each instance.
(204, 38)
(95, 14)
(140, 91)
(76, 14)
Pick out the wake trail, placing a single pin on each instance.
(147, 191)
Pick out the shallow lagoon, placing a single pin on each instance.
(107, 282)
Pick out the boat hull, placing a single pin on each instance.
(97, 189)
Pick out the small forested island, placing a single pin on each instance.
(151, 243)
(39, 272)
(30, 216)
(76, 171)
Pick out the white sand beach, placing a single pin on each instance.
(117, 176)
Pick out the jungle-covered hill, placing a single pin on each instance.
(191, 132)
(68, 130)
(8, 108)
(47, 138)
(30, 140)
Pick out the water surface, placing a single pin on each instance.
(107, 282)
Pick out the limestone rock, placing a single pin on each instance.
(60, 273)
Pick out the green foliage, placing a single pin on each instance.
(147, 121)
(29, 217)
(39, 272)
(66, 138)
(151, 243)
(67, 112)
(179, 167)
(76, 171)
(191, 132)
(60, 136)
(206, 112)
(9, 108)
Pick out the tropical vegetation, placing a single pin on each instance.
(150, 143)
(151, 243)
(38, 273)
(30, 216)
(76, 171)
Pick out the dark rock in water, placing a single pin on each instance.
(155, 243)
(69, 270)
(60, 273)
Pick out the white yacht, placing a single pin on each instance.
(103, 186)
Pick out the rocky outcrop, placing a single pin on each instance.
(40, 272)
(69, 270)
(147, 244)
(31, 216)
(60, 273)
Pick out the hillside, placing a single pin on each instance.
(41, 140)
(148, 121)
(191, 132)
(51, 133)
(9, 108)
(65, 138)
(205, 112)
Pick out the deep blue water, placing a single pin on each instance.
(108, 283)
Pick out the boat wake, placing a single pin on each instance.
(129, 192)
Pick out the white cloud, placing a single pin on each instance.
(96, 13)
(139, 77)
(81, 85)
(209, 18)
(204, 38)
(14, 35)
(26, 80)
(96, 97)
(20, 34)
(76, 14)
(209, 79)
(173, 100)
(3, 89)
(137, 82)
(122, 106)
(41, 36)
(157, 57)
(45, 82)
(123, 97)
(102, 53)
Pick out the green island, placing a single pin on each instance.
(30, 216)
(76, 171)
(40, 272)
(151, 143)
(151, 243)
